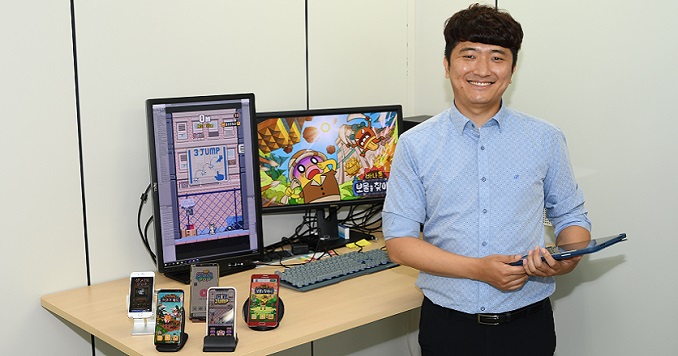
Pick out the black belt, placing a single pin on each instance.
(503, 318)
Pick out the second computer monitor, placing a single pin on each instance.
(314, 159)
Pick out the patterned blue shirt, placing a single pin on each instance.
(482, 191)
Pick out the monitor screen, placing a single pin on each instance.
(315, 159)
(205, 182)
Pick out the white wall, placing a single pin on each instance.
(41, 212)
(601, 71)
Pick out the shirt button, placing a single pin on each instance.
(483, 179)
(482, 148)
(484, 243)
(484, 211)
(482, 308)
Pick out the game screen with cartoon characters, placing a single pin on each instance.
(169, 317)
(326, 156)
(203, 170)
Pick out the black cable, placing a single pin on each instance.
(142, 233)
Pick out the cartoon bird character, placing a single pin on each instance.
(366, 139)
(315, 174)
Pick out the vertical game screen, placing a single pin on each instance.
(221, 309)
(141, 299)
(169, 317)
(207, 205)
(264, 300)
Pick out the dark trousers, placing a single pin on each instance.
(444, 331)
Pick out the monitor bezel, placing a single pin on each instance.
(237, 259)
(262, 116)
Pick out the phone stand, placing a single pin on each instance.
(281, 312)
(214, 343)
(143, 326)
(180, 345)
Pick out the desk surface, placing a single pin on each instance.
(101, 310)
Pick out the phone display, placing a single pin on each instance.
(169, 317)
(263, 302)
(221, 302)
(203, 276)
(141, 295)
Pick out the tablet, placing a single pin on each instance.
(574, 249)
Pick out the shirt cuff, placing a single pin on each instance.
(394, 225)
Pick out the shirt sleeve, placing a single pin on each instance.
(405, 207)
(563, 198)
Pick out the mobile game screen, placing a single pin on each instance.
(264, 300)
(141, 299)
(202, 278)
(169, 317)
(221, 312)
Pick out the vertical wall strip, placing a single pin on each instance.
(77, 116)
(308, 95)
(82, 176)
(308, 91)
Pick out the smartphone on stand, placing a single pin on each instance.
(263, 301)
(203, 276)
(169, 319)
(141, 285)
(221, 303)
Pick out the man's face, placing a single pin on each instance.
(479, 73)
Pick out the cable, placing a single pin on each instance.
(143, 233)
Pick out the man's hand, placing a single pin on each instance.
(533, 264)
(498, 273)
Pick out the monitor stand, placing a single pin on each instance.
(328, 232)
(224, 270)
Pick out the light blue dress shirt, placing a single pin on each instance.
(482, 191)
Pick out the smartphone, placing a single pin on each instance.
(169, 319)
(203, 276)
(221, 303)
(263, 302)
(141, 286)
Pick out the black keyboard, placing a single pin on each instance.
(334, 269)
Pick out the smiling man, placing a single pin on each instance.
(478, 177)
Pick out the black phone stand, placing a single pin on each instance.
(184, 338)
(245, 314)
(213, 343)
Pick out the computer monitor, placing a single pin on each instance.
(205, 183)
(327, 158)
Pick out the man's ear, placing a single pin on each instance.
(446, 64)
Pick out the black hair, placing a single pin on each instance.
(483, 24)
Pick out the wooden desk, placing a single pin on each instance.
(101, 311)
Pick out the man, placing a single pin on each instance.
(477, 177)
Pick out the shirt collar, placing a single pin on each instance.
(459, 121)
